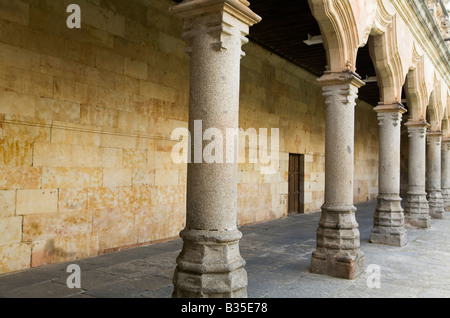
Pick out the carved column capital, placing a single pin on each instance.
(446, 142)
(417, 128)
(340, 88)
(390, 114)
(434, 137)
(219, 21)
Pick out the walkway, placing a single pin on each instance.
(278, 255)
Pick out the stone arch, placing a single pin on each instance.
(445, 128)
(345, 26)
(437, 106)
(385, 13)
(392, 55)
(419, 85)
(432, 115)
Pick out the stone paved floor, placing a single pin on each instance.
(278, 255)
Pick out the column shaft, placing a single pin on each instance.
(417, 212)
(210, 264)
(389, 222)
(445, 177)
(338, 242)
(433, 183)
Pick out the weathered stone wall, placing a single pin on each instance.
(85, 122)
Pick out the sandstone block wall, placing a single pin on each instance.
(85, 122)
(404, 151)
(366, 153)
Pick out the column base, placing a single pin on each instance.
(341, 266)
(436, 204)
(210, 266)
(338, 242)
(417, 211)
(446, 198)
(389, 222)
(392, 237)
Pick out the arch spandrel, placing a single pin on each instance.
(345, 26)
(365, 12)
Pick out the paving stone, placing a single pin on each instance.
(164, 292)
(171, 246)
(116, 291)
(47, 289)
(21, 279)
(278, 256)
(148, 282)
(93, 279)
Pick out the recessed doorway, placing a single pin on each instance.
(296, 184)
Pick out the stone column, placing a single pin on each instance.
(445, 177)
(433, 184)
(417, 212)
(389, 222)
(338, 242)
(210, 264)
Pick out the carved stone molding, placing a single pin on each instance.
(392, 55)
(390, 114)
(419, 86)
(219, 19)
(345, 26)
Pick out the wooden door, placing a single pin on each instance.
(295, 194)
